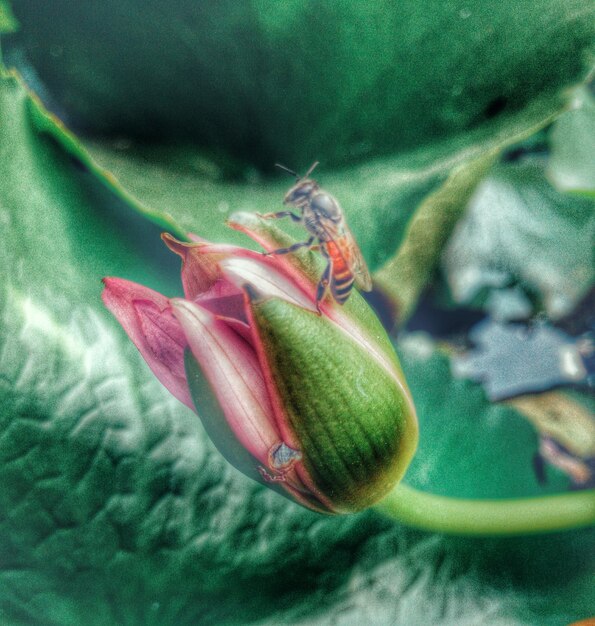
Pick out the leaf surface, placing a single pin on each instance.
(115, 507)
(520, 230)
(292, 83)
(572, 141)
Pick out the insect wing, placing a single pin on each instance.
(358, 266)
(345, 242)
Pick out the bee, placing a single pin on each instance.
(323, 218)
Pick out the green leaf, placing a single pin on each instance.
(455, 416)
(114, 508)
(293, 82)
(404, 276)
(8, 23)
(379, 198)
(519, 229)
(572, 141)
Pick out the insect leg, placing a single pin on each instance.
(323, 285)
(278, 214)
(296, 246)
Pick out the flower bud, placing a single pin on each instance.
(314, 405)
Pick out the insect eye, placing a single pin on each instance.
(298, 193)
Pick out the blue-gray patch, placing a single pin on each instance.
(513, 359)
(283, 456)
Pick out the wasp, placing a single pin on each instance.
(323, 218)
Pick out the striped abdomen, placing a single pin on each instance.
(342, 277)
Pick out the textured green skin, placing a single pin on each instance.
(348, 415)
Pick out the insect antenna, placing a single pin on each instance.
(298, 177)
(287, 170)
(312, 168)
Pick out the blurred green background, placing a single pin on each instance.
(430, 120)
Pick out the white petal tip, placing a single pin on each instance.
(265, 279)
(186, 311)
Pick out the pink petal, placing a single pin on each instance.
(147, 318)
(196, 238)
(231, 367)
(199, 270)
(202, 267)
(266, 277)
(227, 303)
(225, 300)
(205, 265)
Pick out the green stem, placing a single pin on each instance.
(521, 516)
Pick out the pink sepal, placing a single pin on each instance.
(199, 270)
(147, 318)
